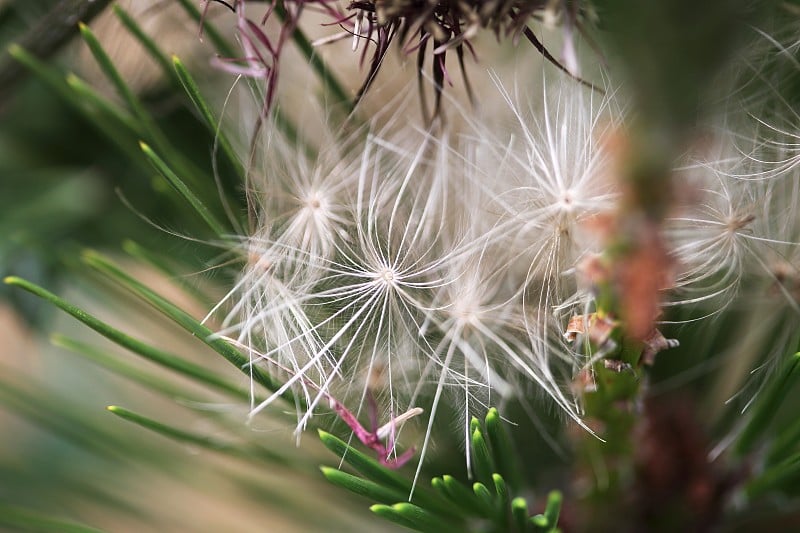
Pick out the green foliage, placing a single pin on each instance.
(182, 318)
(767, 406)
(183, 190)
(26, 520)
(781, 469)
(71, 148)
(104, 440)
(489, 504)
(161, 357)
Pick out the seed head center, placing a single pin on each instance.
(736, 223)
(567, 201)
(387, 274)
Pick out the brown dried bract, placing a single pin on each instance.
(615, 365)
(599, 328)
(654, 343)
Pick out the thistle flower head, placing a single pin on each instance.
(391, 272)
(451, 26)
(410, 270)
(417, 25)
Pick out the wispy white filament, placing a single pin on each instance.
(418, 269)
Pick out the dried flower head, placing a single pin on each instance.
(411, 270)
(417, 25)
(443, 26)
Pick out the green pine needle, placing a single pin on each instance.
(113, 364)
(107, 115)
(482, 463)
(487, 505)
(216, 226)
(519, 510)
(112, 74)
(784, 475)
(165, 266)
(21, 519)
(459, 494)
(361, 486)
(108, 268)
(163, 358)
(246, 453)
(365, 465)
(453, 506)
(412, 516)
(767, 405)
(505, 456)
(208, 118)
(145, 40)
